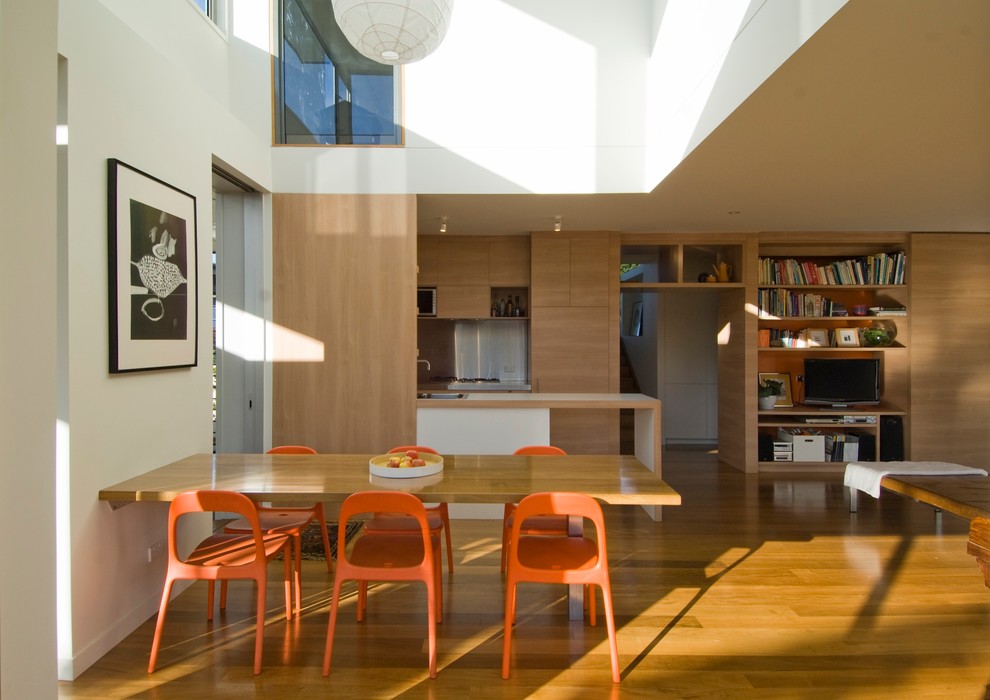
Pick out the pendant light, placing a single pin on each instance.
(393, 32)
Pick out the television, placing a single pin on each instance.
(839, 383)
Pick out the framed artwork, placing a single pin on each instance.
(784, 378)
(636, 326)
(847, 337)
(817, 338)
(152, 272)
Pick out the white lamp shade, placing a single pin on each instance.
(393, 31)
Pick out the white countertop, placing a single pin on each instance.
(494, 399)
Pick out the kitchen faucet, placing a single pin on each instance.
(427, 364)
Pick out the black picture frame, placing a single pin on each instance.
(152, 272)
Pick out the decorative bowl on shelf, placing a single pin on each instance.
(879, 334)
(380, 466)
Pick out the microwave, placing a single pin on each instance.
(426, 301)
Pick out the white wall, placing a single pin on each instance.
(28, 365)
(162, 105)
(566, 96)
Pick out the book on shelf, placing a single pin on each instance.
(880, 269)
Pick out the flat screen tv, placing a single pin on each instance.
(841, 382)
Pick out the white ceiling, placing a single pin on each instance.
(880, 122)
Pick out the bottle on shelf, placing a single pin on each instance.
(508, 307)
(518, 307)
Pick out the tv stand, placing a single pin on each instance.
(824, 421)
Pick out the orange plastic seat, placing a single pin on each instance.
(541, 525)
(438, 514)
(290, 521)
(222, 557)
(388, 557)
(558, 559)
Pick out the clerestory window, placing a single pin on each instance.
(325, 91)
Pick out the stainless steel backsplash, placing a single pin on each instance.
(492, 349)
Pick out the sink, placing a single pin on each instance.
(440, 395)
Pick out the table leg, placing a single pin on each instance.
(575, 593)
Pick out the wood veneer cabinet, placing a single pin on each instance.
(468, 270)
(574, 332)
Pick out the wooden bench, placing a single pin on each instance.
(962, 495)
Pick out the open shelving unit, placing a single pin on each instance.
(787, 327)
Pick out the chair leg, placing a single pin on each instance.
(434, 611)
(510, 618)
(210, 598)
(297, 574)
(326, 537)
(362, 600)
(160, 626)
(613, 647)
(288, 567)
(331, 627)
(438, 575)
(445, 519)
(259, 630)
(509, 507)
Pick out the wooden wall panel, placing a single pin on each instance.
(950, 347)
(344, 279)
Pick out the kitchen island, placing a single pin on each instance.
(491, 422)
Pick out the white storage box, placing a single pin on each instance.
(806, 446)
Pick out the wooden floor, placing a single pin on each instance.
(756, 587)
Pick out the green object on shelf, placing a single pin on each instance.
(880, 334)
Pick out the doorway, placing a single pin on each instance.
(239, 315)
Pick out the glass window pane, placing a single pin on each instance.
(326, 92)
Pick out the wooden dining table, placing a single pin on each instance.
(301, 479)
(304, 479)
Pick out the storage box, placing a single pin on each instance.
(806, 446)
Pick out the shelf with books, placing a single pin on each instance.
(880, 268)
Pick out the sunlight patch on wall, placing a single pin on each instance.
(692, 44)
(558, 114)
(724, 334)
(253, 339)
(250, 22)
(288, 345)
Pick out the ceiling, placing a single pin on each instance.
(880, 122)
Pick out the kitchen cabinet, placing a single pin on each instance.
(471, 272)
(463, 301)
(510, 261)
(463, 260)
(426, 261)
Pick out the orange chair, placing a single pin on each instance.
(438, 515)
(222, 557)
(388, 557)
(555, 559)
(290, 521)
(543, 525)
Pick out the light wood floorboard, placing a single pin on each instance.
(756, 587)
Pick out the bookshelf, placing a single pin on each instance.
(829, 300)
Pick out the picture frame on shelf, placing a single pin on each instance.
(847, 337)
(784, 399)
(818, 338)
(152, 272)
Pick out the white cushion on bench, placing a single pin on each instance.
(866, 476)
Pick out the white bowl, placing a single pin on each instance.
(434, 465)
